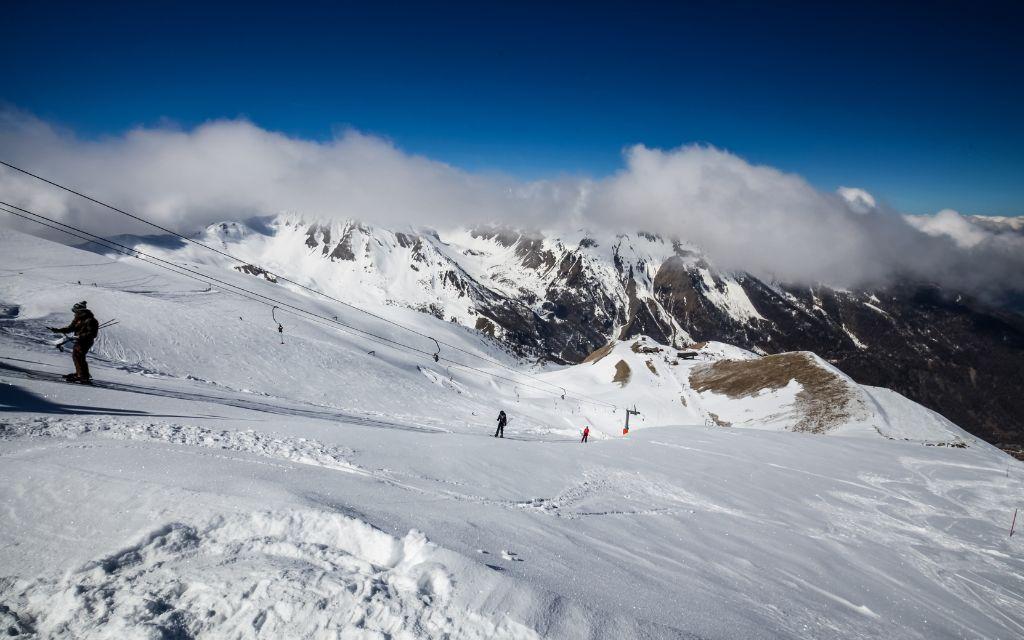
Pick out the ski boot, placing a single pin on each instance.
(71, 377)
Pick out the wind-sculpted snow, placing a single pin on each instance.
(299, 450)
(292, 574)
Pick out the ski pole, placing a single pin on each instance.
(1014, 523)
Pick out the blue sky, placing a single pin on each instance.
(921, 105)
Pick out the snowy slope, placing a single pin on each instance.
(467, 276)
(220, 484)
(558, 295)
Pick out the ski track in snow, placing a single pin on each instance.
(584, 499)
(291, 574)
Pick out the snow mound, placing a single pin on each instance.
(301, 450)
(294, 574)
(904, 419)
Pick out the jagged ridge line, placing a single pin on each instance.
(207, 279)
(278, 276)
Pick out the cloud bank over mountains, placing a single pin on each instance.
(745, 217)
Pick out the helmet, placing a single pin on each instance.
(78, 306)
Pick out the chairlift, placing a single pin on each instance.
(437, 356)
(280, 327)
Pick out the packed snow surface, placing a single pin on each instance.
(216, 483)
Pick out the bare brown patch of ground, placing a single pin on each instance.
(1017, 451)
(650, 365)
(599, 353)
(824, 401)
(637, 347)
(622, 373)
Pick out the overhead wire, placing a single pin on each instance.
(207, 279)
(268, 272)
(263, 299)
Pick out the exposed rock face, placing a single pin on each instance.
(253, 270)
(945, 351)
(560, 299)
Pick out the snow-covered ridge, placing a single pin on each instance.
(218, 483)
(543, 293)
(193, 323)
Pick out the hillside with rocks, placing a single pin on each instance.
(559, 296)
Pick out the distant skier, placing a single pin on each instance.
(85, 327)
(502, 421)
(586, 434)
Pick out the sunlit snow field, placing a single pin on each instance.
(216, 483)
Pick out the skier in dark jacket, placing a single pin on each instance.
(85, 327)
(502, 421)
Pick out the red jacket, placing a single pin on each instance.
(586, 431)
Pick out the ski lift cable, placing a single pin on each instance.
(234, 289)
(240, 261)
(185, 271)
(263, 299)
(131, 252)
(452, 364)
(180, 272)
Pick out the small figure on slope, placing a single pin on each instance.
(85, 327)
(502, 421)
(586, 434)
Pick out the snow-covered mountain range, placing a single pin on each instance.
(225, 479)
(560, 296)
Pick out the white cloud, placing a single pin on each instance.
(747, 217)
(951, 224)
(859, 200)
(232, 168)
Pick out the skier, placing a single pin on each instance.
(85, 328)
(502, 421)
(586, 433)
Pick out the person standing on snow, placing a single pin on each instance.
(586, 433)
(85, 327)
(502, 421)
